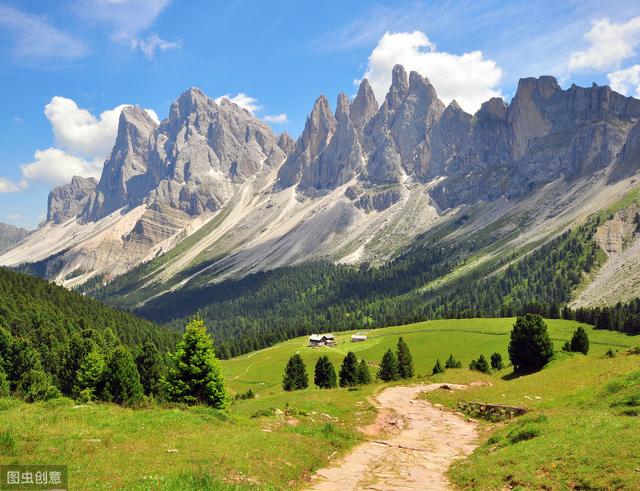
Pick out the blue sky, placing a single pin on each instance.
(80, 58)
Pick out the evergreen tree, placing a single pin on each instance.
(325, 375)
(388, 367)
(363, 376)
(150, 367)
(530, 348)
(295, 374)
(405, 360)
(6, 342)
(566, 346)
(195, 376)
(348, 370)
(121, 378)
(480, 364)
(437, 368)
(5, 390)
(23, 358)
(496, 361)
(580, 341)
(35, 385)
(90, 376)
(452, 363)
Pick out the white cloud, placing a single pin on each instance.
(56, 167)
(276, 118)
(609, 45)
(80, 132)
(243, 100)
(153, 115)
(469, 78)
(14, 216)
(151, 44)
(626, 81)
(8, 186)
(35, 38)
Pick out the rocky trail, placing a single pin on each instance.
(412, 445)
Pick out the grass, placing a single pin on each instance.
(278, 439)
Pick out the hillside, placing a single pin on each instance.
(56, 323)
(10, 235)
(280, 439)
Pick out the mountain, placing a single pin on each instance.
(212, 194)
(10, 235)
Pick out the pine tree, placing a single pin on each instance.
(23, 358)
(122, 380)
(452, 363)
(405, 360)
(480, 364)
(530, 348)
(437, 368)
(295, 374)
(90, 377)
(363, 376)
(325, 375)
(150, 367)
(580, 341)
(195, 376)
(388, 371)
(496, 361)
(5, 390)
(348, 370)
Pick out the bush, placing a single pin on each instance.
(437, 368)
(580, 341)
(610, 353)
(480, 365)
(452, 363)
(496, 361)
(295, 374)
(523, 434)
(530, 348)
(246, 395)
(35, 385)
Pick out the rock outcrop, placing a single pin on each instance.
(10, 235)
(70, 200)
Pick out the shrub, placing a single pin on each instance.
(530, 348)
(452, 363)
(480, 365)
(388, 371)
(246, 395)
(522, 434)
(295, 374)
(496, 361)
(610, 353)
(437, 368)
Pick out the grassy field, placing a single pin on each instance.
(278, 439)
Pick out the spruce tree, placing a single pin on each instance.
(388, 371)
(580, 341)
(405, 360)
(195, 376)
(35, 385)
(348, 370)
(5, 390)
(437, 368)
(363, 376)
(496, 361)
(452, 363)
(325, 375)
(90, 377)
(295, 374)
(122, 380)
(530, 348)
(23, 358)
(480, 364)
(151, 368)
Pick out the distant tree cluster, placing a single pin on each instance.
(398, 365)
(622, 317)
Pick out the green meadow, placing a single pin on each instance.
(580, 432)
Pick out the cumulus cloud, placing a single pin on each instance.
(8, 186)
(276, 118)
(151, 44)
(610, 43)
(34, 37)
(626, 81)
(468, 78)
(243, 100)
(56, 167)
(82, 143)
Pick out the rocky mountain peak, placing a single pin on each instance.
(70, 200)
(399, 88)
(343, 107)
(286, 143)
(364, 106)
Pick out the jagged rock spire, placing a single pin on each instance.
(363, 107)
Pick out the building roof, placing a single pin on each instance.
(320, 337)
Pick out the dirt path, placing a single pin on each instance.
(420, 442)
